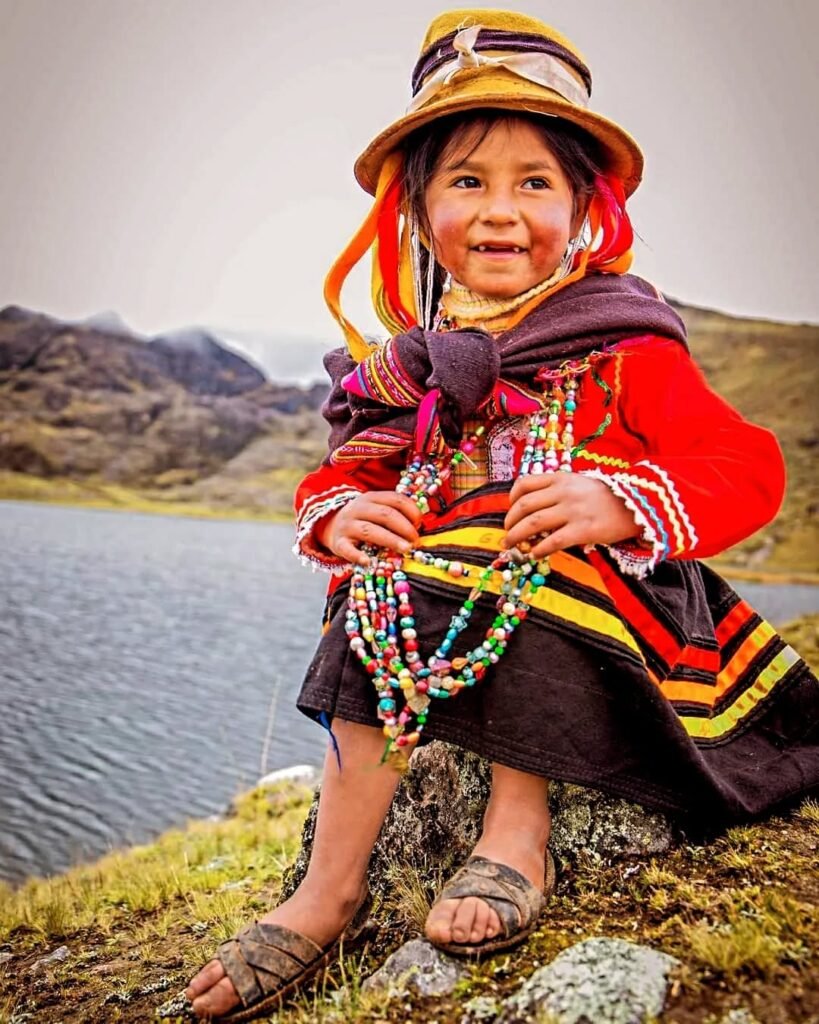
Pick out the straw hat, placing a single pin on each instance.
(502, 60)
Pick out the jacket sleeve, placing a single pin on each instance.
(707, 479)
(328, 489)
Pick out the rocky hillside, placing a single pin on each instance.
(770, 372)
(91, 403)
(91, 412)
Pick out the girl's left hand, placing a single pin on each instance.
(572, 509)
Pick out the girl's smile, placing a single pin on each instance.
(501, 213)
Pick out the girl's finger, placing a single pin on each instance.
(559, 540)
(346, 548)
(391, 519)
(542, 521)
(406, 506)
(378, 536)
(530, 502)
(535, 482)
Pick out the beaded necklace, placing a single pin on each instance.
(380, 620)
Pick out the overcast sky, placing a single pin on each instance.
(190, 161)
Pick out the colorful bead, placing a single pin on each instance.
(379, 619)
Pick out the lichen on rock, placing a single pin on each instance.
(599, 981)
(436, 819)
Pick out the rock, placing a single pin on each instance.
(58, 956)
(436, 818)
(599, 981)
(5, 957)
(304, 773)
(480, 1010)
(586, 820)
(417, 967)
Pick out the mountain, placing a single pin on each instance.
(87, 402)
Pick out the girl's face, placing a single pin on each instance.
(501, 214)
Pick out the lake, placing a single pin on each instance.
(146, 663)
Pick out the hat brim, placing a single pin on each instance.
(506, 92)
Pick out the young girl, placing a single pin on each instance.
(517, 486)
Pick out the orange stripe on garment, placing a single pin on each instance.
(748, 650)
(689, 693)
(733, 622)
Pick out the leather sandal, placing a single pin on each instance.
(514, 899)
(268, 963)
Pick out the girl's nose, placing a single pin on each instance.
(498, 207)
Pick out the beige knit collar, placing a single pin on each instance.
(464, 306)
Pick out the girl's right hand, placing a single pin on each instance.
(382, 519)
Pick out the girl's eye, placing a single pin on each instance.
(536, 183)
(466, 182)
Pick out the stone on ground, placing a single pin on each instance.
(417, 967)
(599, 981)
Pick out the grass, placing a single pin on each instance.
(100, 495)
(741, 912)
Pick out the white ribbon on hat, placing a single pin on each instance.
(541, 68)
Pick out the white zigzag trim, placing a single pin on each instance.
(672, 490)
(316, 508)
(670, 511)
(632, 565)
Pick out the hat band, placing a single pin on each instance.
(540, 68)
(442, 51)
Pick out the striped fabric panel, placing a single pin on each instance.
(713, 683)
(376, 443)
(589, 617)
(737, 712)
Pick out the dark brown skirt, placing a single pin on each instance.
(725, 732)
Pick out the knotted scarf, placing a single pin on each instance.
(416, 390)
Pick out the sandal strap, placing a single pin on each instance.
(509, 893)
(262, 958)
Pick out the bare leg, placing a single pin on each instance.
(515, 832)
(352, 808)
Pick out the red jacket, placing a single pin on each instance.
(698, 477)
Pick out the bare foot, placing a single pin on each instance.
(320, 915)
(470, 920)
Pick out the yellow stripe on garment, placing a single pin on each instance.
(489, 538)
(545, 600)
(714, 728)
(748, 650)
